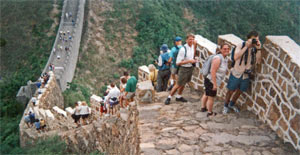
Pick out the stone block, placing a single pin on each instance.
(286, 74)
(293, 136)
(275, 63)
(285, 111)
(296, 102)
(261, 102)
(145, 92)
(280, 133)
(295, 123)
(282, 55)
(274, 74)
(257, 88)
(274, 113)
(272, 92)
(283, 124)
(249, 103)
(270, 60)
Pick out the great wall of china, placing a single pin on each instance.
(274, 97)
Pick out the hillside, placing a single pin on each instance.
(121, 36)
(28, 30)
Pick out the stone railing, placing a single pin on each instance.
(143, 73)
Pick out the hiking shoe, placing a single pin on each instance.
(203, 109)
(211, 114)
(168, 101)
(170, 88)
(234, 108)
(181, 99)
(225, 110)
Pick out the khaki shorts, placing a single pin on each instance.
(174, 70)
(184, 75)
(130, 95)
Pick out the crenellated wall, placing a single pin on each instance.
(274, 95)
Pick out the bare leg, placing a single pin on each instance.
(204, 101)
(210, 103)
(174, 89)
(236, 95)
(181, 88)
(228, 96)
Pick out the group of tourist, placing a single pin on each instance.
(114, 96)
(82, 111)
(179, 62)
(31, 120)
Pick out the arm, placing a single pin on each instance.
(258, 54)
(159, 61)
(239, 51)
(214, 68)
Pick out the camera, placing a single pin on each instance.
(250, 74)
(254, 42)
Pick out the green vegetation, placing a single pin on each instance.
(25, 48)
(52, 145)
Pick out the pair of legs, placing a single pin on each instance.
(129, 97)
(207, 99)
(162, 80)
(229, 93)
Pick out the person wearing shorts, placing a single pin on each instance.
(245, 56)
(185, 59)
(214, 79)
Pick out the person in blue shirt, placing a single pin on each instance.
(173, 56)
(163, 69)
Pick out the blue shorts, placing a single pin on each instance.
(238, 83)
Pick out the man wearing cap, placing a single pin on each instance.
(172, 60)
(163, 69)
(185, 60)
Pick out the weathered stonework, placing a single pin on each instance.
(274, 96)
(117, 134)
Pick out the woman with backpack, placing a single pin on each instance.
(214, 78)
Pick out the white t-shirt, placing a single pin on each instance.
(189, 55)
(114, 92)
(84, 110)
(77, 110)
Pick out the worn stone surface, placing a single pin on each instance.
(180, 128)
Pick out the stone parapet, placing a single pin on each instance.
(274, 94)
(143, 73)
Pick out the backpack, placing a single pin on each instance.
(205, 70)
(246, 55)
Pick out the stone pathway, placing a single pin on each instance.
(180, 128)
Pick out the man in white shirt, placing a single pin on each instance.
(185, 60)
(112, 97)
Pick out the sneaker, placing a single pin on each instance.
(168, 100)
(225, 110)
(181, 99)
(236, 109)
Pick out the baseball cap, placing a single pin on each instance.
(164, 47)
(178, 38)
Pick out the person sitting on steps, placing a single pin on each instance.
(113, 98)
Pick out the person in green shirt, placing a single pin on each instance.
(130, 90)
